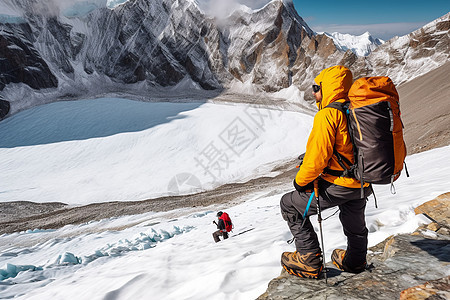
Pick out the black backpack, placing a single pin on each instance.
(376, 132)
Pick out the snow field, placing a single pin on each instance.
(87, 151)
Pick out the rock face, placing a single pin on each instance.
(397, 264)
(260, 47)
(160, 43)
(21, 62)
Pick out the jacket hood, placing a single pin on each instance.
(335, 83)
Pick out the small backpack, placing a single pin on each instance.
(376, 131)
(227, 221)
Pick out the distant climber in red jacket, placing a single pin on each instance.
(224, 226)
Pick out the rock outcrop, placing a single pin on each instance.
(432, 290)
(419, 260)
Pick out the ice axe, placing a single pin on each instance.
(319, 219)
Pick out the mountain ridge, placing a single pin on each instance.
(161, 43)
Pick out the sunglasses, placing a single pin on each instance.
(316, 88)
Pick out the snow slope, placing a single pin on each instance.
(172, 255)
(86, 151)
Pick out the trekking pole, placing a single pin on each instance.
(319, 219)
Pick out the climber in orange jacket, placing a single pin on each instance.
(329, 134)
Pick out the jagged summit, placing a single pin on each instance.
(288, 7)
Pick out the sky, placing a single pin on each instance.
(383, 19)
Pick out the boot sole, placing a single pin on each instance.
(302, 274)
(349, 271)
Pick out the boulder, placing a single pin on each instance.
(435, 289)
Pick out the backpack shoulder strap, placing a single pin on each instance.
(342, 107)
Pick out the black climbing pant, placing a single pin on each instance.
(351, 206)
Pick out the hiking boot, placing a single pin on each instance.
(338, 258)
(306, 266)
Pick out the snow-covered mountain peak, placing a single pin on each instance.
(289, 5)
(361, 45)
(275, 5)
(278, 8)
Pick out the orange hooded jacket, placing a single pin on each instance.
(329, 131)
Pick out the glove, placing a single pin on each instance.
(302, 189)
(300, 158)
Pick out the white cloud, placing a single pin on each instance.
(384, 31)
